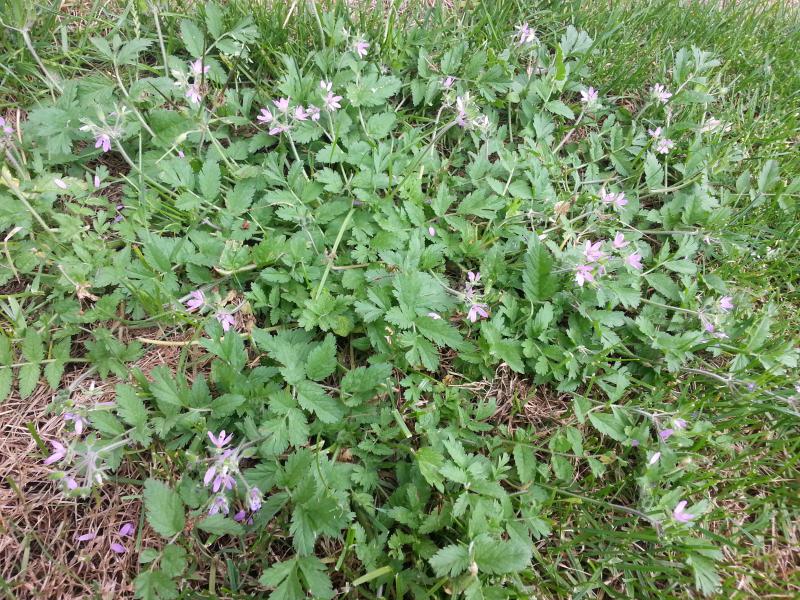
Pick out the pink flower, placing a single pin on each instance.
(432, 231)
(60, 183)
(679, 423)
(79, 421)
(196, 300)
(525, 34)
(726, 303)
(326, 85)
(226, 320)
(660, 92)
(87, 537)
(265, 116)
(592, 252)
(331, 102)
(282, 104)
(239, 516)
(220, 440)
(59, 452)
(448, 82)
(655, 133)
(313, 112)
(193, 94)
(589, 96)
(584, 273)
(619, 241)
(209, 476)
(198, 68)
(97, 181)
(7, 129)
(664, 145)
(300, 113)
(360, 48)
(708, 326)
(254, 499)
(223, 481)
(665, 434)
(219, 504)
(473, 278)
(118, 548)
(103, 141)
(654, 459)
(278, 128)
(634, 260)
(617, 199)
(635, 443)
(477, 311)
(680, 514)
(711, 124)
(127, 530)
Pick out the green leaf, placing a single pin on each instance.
(193, 38)
(226, 405)
(539, 283)
(163, 508)
(103, 47)
(283, 351)
(32, 348)
(330, 179)
(381, 124)
(559, 108)
(706, 578)
(321, 361)
(681, 266)
(209, 180)
(653, 172)
(219, 524)
(316, 577)
(154, 585)
(440, 332)
(769, 176)
(165, 390)
(130, 407)
(312, 397)
(283, 578)
(500, 556)
(429, 462)
(238, 200)
(450, 561)
(6, 381)
(609, 425)
(214, 20)
(28, 379)
(129, 53)
(173, 560)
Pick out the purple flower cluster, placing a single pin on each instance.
(281, 118)
(594, 264)
(5, 128)
(222, 475)
(126, 531)
(477, 310)
(196, 301)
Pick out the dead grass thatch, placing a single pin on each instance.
(40, 556)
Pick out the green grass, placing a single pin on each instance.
(748, 462)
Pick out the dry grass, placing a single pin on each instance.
(40, 556)
(521, 404)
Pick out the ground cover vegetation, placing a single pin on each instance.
(329, 300)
